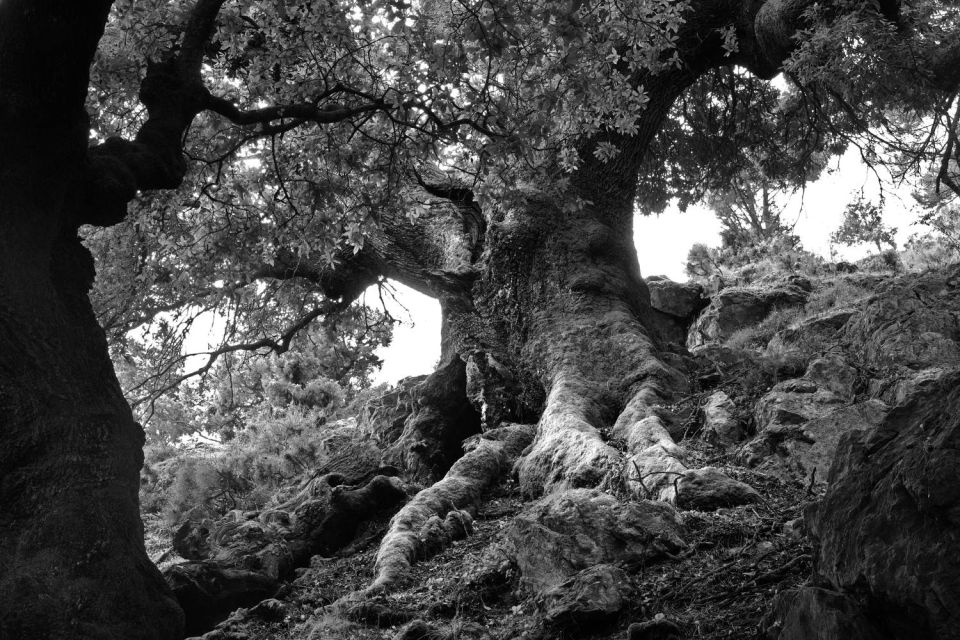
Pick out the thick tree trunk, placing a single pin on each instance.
(546, 305)
(72, 559)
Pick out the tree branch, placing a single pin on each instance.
(173, 93)
(279, 345)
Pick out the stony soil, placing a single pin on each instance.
(720, 587)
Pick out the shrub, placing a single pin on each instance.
(745, 264)
(834, 294)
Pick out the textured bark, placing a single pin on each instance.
(544, 300)
(72, 560)
(443, 417)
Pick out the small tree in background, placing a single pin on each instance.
(748, 211)
(863, 224)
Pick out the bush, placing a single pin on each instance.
(754, 262)
(834, 294)
(272, 451)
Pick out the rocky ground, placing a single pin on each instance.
(813, 496)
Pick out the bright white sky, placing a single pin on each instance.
(662, 244)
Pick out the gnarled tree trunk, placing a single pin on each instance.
(72, 559)
(546, 305)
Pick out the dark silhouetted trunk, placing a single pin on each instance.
(72, 559)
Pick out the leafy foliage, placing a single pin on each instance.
(320, 117)
(746, 263)
(863, 223)
(728, 138)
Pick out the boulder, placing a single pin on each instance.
(592, 597)
(910, 322)
(679, 299)
(709, 488)
(794, 402)
(737, 307)
(720, 424)
(800, 421)
(887, 532)
(834, 375)
(569, 531)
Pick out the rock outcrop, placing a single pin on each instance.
(679, 299)
(738, 307)
(800, 421)
(720, 423)
(569, 531)
(912, 322)
(887, 532)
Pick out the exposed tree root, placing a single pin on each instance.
(655, 461)
(448, 505)
(605, 373)
(244, 559)
(569, 451)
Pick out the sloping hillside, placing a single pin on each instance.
(808, 493)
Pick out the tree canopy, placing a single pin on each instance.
(304, 123)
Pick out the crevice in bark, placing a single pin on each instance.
(432, 435)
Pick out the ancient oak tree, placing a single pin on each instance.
(302, 141)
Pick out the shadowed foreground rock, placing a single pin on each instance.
(249, 556)
(888, 530)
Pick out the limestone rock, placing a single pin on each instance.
(591, 597)
(568, 531)
(818, 329)
(709, 488)
(887, 532)
(738, 307)
(905, 388)
(679, 299)
(834, 375)
(720, 424)
(804, 452)
(800, 421)
(911, 322)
